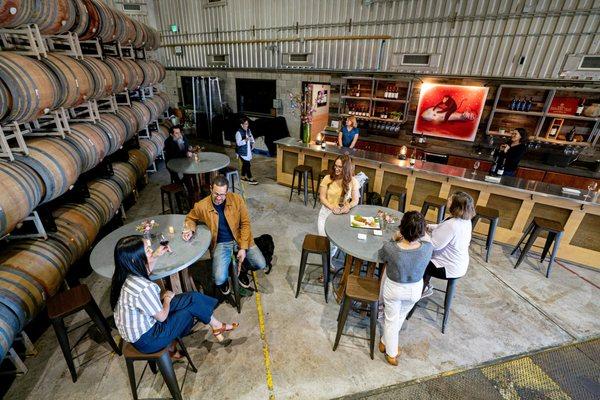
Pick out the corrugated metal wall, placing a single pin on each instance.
(475, 38)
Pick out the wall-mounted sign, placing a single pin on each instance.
(174, 28)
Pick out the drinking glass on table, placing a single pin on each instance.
(475, 167)
(164, 241)
(591, 187)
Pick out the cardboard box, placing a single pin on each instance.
(564, 105)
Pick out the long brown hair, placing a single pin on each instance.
(347, 173)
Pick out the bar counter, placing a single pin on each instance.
(518, 200)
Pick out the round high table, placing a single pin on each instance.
(343, 235)
(170, 265)
(192, 170)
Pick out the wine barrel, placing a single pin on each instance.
(120, 74)
(158, 141)
(130, 119)
(125, 176)
(140, 35)
(153, 40)
(115, 129)
(78, 225)
(129, 38)
(163, 131)
(53, 17)
(107, 195)
(142, 113)
(8, 330)
(104, 79)
(154, 108)
(46, 261)
(136, 74)
(107, 22)
(99, 143)
(82, 18)
(162, 72)
(5, 100)
(148, 147)
(21, 294)
(167, 123)
(93, 26)
(14, 13)
(139, 161)
(33, 88)
(75, 80)
(151, 72)
(56, 161)
(22, 190)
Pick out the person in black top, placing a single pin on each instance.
(176, 146)
(513, 151)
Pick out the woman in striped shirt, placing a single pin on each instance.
(141, 318)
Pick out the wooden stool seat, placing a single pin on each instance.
(303, 171)
(366, 289)
(493, 216)
(314, 244)
(487, 212)
(397, 191)
(173, 190)
(538, 225)
(176, 187)
(302, 168)
(435, 202)
(548, 225)
(69, 302)
(129, 351)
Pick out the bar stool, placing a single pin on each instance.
(492, 215)
(176, 191)
(67, 303)
(232, 174)
(363, 290)
(435, 202)
(536, 227)
(450, 287)
(314, 244)
(364, 188)
(395, 191)
(303, 171)
(165, 366)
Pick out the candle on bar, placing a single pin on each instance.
(171, 230)
(402, 154)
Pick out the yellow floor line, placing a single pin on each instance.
(263, 337)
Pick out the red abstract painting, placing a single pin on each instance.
(450, 111)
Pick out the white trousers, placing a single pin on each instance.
(323, 214)
(399, 299)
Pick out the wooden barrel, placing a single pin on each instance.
(14, 13)
(78, 225)
(22, 295)
(140, 35)
(76, 81)
(56, 161)
(106, 194)
(139, 161)
(115, 129)
(129, 38)
(154, 107)
(163, 131)
(136, 74)
(8, 330)
(120, 74)
(53, 17)
(167, 123)
(33, 88)
(5, 100)
(93, 27)
(22, 190)
(150, 72)
(99, 142)
(107, 22)
(148, 147)
(82, 18)
(158, 141)
(46, 261)
(162, 72)
(142, 113)
(125, 176)
(129, 118)
(103, 77)
(153, 40)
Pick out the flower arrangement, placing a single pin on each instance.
(299, 104)
(146, 226)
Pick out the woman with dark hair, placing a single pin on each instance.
(406, 256)
(512, 153)
(140, 316)
(244, 144)
(451, 240)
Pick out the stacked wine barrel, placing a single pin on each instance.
(33, 269)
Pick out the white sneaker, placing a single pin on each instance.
(427, 292)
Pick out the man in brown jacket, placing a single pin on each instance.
(226, 216)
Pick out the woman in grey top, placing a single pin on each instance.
(406, 258)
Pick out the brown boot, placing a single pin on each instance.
(391, 360)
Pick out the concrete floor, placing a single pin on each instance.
(497, 312)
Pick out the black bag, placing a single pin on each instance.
(267, 248)
(374, 199)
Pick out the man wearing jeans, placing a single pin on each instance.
(226, 216)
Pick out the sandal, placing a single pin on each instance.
(218, 333)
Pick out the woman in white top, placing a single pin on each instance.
(451, 240)
(244, 144)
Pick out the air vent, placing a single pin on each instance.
(218, 59)
(590, 62)
(132, 7)
(414, 62)
(581, 66)
(297, 59)
(301, 58)
(415, 59)
(211, 3)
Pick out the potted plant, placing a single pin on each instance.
(299, 104)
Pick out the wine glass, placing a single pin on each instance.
(475, 167)
(164, 241)
(591, 187)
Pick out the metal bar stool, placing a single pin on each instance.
(536, 227)
(395, 191)
(303, 171)
(492, 215)
(450, 287)
(363, 290)
(434, 202)
(314, 244)
(232, 175)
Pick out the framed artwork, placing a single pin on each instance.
(322, 98)
(450, 111)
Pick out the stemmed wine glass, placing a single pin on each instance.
(475, 167)
(164, 241)
(591, 187)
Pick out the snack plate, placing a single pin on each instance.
(358, 221)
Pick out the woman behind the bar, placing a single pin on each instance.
(513, 152)
(140, 316)
(348, 135)
(406, 256)
(450, 241)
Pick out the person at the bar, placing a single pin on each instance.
(406, 256)
(512, 153)
(145, 318)
(348, 135)
(244, 144)
(176, 146)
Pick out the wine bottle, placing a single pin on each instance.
(571, 135)
(521, 104)
(358, 91)
(580, 107)
(495, 157)
(500, 171)
(529, 104)
(395, 93)
(386, 93)
(513, 103)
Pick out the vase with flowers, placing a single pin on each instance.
(145, 227)
(301, 104)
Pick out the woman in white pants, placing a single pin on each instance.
(406, 256)
(338, 192)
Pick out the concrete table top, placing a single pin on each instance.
(339, 231)
(184, 253)
(207, 162)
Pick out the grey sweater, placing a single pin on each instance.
(405, 266)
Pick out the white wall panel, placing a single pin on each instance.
(476, 38)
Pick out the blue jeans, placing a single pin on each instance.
(184, 307)
(222, 259)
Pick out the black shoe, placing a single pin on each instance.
(225, 289)
(244, 279)
(252, 181)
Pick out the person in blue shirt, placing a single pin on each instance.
(348, 135)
